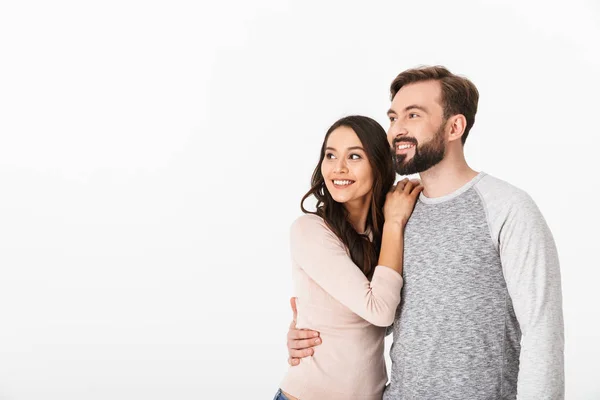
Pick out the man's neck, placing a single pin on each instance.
(449, 175)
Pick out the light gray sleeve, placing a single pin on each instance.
(531, 270)
(389, 330)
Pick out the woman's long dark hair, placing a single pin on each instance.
(363, 252)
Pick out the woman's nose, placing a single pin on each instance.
(340, 166)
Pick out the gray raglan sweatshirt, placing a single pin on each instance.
(481, 310)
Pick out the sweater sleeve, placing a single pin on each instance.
(323, 257)
(531, 270)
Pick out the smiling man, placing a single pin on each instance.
(481, 309)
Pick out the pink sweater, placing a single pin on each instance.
(351, 313)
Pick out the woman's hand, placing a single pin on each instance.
(400, 201)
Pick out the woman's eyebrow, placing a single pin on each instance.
(349, 148)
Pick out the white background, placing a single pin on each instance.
(153, 155)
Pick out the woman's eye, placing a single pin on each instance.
(355, 157)
(329, 156)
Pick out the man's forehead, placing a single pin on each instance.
(425, 93)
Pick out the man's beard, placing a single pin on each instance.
(426, 155)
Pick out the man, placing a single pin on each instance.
(481, 309)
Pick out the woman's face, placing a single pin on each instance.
(347, 172)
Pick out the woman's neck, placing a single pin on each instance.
(358, 211)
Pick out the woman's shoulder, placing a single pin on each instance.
(311, 226)
(312, 230)
(308, 223)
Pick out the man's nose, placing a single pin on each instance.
(396, 132)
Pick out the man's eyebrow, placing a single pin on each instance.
(415, 106)
(349, 148)
(412, 106)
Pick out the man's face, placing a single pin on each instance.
(417, 127)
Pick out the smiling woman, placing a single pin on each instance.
(347, 264)
(355, 150)
(346, 169)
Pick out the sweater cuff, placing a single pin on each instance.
(388, 274)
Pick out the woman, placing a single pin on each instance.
(347, 264)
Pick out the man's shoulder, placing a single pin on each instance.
(495, 191)
(504, 201)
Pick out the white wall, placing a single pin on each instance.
(153, 155)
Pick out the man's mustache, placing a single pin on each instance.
(404, 140)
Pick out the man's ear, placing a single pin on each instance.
(457, 124)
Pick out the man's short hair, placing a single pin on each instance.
(459, 95)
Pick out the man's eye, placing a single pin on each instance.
(392, 119)
(413, 115)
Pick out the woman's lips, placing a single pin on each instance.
(342, 183)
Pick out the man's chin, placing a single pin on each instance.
(401, 160)
(406, 168)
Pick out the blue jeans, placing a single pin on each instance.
(280, 396)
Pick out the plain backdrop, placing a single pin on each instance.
(153, 155)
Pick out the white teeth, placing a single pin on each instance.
(342, 183)
(405, 146)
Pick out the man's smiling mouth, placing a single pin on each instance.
(403, 148)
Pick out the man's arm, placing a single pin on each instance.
(531, 270)
(389, 330)
(300, 342)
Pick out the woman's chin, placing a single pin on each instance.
(342, 199)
